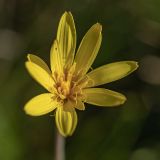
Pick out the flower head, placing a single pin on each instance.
(69, 83)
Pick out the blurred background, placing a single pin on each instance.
(131, 31)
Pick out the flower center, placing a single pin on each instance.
(69, 84)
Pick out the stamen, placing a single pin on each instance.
(69, 84)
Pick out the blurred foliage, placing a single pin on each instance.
(131, 31)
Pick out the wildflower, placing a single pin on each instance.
(68, 82)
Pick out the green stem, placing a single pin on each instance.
(59, 147)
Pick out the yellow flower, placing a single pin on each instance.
(68, 82)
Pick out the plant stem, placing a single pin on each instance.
(59, 147)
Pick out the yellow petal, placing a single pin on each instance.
(38, 61)
(88, 48)
(56, 58)
(111, 72)
(41, 104)
(103, 97)
(40, 75)
(66, 37)
(66, 121)
(80, 105)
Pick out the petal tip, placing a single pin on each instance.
(65, 13)
(123, 100)
(137, 64)
(28, 57)
(26, 111)
(26, 64)
(98, 26)
(70, 13)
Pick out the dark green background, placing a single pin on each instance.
(131, 31)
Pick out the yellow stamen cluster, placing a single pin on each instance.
(69, 85)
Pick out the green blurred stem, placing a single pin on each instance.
(59, 147)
